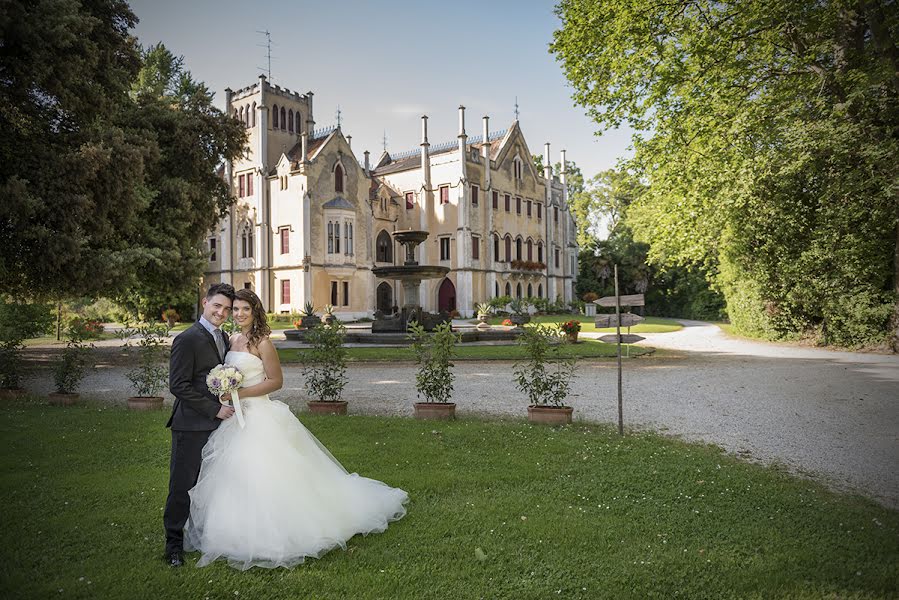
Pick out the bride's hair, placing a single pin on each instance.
(260, 327)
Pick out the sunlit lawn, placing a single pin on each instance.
(499, 509)
(583, 349)
(649, 325)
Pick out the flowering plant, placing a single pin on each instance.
(570, 327)
(508, 323)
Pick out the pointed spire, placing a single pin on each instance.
(516, 108)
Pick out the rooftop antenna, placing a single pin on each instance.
(516, 108)
(268, 46)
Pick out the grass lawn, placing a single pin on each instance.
(650, 325)
(575, 512)
(583, 349)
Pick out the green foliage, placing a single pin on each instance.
(107, 172)
(545, 375)
(519, 306)
(499, 303)
(433, 354)
(324, 365)
(73, 363)
(150, 374)
(766, 143)
(18, 321)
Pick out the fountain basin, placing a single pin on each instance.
(410, 272)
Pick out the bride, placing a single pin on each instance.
(271, 494)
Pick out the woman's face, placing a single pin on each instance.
(242, 312)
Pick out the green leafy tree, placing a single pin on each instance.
(107, 158)
(766, 138)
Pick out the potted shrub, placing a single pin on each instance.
(70, 371)
(571, 329)
(483, 310)
(434, 380)
(171, 317)
(18, 322)
(328, 314)
(519, 316)
(545, 375)
(308, 318)
(325, 369)
(151, 373)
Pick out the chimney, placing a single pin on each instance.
(485, 152)
(461, 120)
(304, 146)
(367, 166)
(349, 141)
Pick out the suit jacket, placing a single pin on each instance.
(194, 354)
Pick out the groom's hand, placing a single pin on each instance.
(225, 412)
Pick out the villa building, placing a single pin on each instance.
(311, 220)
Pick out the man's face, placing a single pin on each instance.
(216, 309)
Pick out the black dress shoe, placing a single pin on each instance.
(174, 559)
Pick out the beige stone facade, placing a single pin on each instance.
(311, 220)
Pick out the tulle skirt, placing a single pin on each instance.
(271, 494)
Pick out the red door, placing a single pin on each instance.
(446, 297)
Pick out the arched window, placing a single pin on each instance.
(290, 121)
(518, 248)
(508, 289)
(241, 117)
(530, 291)
(508, 248)
(253, 116)
(539, 251)
(337, 237)
(496, 253)
(540, 291)
(496, 285)
(518, 291)
(384, 248)
(275, 116)
(283, 118)
(330, 237)
(247, 117)
(530, 251)
(338, 178)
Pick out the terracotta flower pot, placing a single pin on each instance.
(550, 415)
(62, 398)
(145, 402)
(572, 337)
(317, 407)
(441, 411)
(12, 393)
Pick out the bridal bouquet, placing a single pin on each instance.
(224, 379)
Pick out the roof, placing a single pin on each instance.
(339, 203)
(411, 159)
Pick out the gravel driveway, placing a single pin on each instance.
(830, 415)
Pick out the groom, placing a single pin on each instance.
(196, 413)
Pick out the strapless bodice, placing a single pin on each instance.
(248, 364)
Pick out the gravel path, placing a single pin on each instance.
(830, 415)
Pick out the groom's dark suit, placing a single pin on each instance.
(193, 419)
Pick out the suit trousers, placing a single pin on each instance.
(184, 469)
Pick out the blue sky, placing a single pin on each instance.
(387, 63)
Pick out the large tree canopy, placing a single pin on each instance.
(107, 156)
(768, 137)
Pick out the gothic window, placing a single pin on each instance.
(275, 116)
(530, 246)
(508, 289)
(253, 116)
(540, 291)
(290, 121)
(338, 178)
(334, 293)
(283, 118)
(518, 291)
(508, 248)
(530, 291)
(518, 248)
(540, 252)
(242, 117)
(248, 117)
(384, 248)
(496, 250)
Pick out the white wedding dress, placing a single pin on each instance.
(271, 494)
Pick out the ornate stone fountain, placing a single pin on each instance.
(411, 274)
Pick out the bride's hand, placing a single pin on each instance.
(226, 397)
